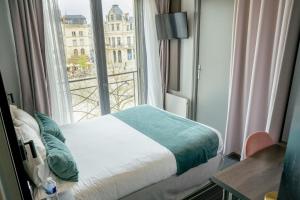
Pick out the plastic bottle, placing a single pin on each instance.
(50, 189)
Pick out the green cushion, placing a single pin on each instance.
(60, 159)
(48, 125)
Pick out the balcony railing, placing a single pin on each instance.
(85, 95)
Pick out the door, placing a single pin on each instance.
(216, 20)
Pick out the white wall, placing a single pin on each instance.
(186, 53)
(8, 62)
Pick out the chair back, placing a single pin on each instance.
(256, 142)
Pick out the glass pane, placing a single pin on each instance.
(80, 58)
(120, 46)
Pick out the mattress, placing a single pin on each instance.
(116, 160)
(179, 187)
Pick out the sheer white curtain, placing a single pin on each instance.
(55, 58)
(155, 90)
(259, 38)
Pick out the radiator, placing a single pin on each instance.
(177, 105)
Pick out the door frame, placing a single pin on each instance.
(196, 60)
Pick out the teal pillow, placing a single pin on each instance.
(60, 159)
(47, 125)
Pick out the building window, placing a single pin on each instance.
(73, 33)
(112, 17)
(131, 26)
(127, 27)
(81, 42)
(75, 52)
(129, 54)
(119, 41)
(112, 27)
(113, 41)
(80, 33)
(119, 56)
(74, 43)
(128, 40)
(109, 41)
(82, 51)
(115, 56)
(118, 27)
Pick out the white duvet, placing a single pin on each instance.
(114, 159)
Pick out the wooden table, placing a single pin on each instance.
(253, 177)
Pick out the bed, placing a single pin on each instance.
(120, 157)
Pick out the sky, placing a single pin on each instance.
(82, 7)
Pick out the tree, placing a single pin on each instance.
(78, 66)
(81, 61)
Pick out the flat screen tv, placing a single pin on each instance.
(171, 26)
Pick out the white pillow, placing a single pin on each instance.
(27, 134)
(33, 166)
(19, 115)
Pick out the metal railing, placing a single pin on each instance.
(85, 95)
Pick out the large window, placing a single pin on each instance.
(119, 41)
(81, 61)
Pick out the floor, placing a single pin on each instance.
(211, 191)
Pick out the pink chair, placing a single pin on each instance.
(256, 142)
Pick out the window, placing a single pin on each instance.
(113, 41)
(83, 65)
(81, 42)
(129, 54)
(75, 52)
(74, 43)
(119, 41)
(119, 56)
(128, 40)
(115, 56)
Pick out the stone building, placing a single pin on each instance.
(119, 36)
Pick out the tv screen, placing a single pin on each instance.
(171, 26)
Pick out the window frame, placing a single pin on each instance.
(100, 53)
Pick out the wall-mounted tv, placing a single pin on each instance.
(171, 26)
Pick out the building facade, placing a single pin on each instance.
(119, 33)
(77, 40)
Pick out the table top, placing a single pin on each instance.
(253, 177)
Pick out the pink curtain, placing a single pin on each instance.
(259, 36)
(28, 26)
(163, 6)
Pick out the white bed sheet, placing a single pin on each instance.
(119, 163)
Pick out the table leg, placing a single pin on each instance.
(225, 195)
(234, 198)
